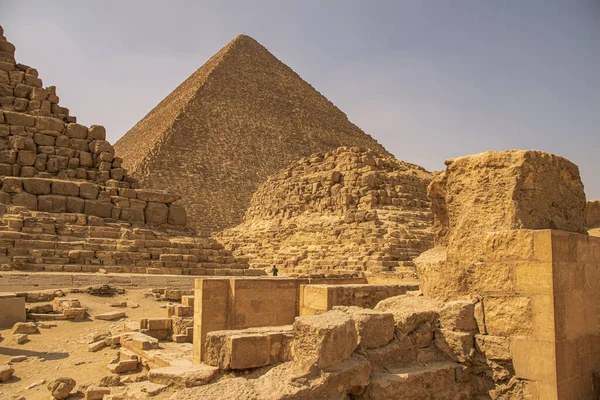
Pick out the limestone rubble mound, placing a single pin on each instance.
(346, 211)
(241, 117)
(67, 203)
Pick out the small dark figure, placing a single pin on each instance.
(275, 270)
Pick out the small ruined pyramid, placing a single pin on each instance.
(241, 117)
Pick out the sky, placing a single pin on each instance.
(430, 80)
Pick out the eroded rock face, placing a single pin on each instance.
(61, 387)
(485, 203)
(513, 189)
(341, 212)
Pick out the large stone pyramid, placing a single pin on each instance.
(68, 205)
(241, 117)
(347, 211)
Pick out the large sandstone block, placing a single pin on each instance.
(324, 340)
(492, 191)
(374, 328)
(12, 310)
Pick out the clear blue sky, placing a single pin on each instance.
(430, 80)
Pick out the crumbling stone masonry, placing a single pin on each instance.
(348, 211)
(241, 117)
(592, 217)
(67, 203)
(510, 234)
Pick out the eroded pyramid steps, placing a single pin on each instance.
(347, 211)
(67, 204)
(241, 117)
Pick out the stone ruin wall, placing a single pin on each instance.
(510, 236)
(241, 117)
(347, 211)
(69, 205)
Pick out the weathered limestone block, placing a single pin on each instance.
(374, 329)
(492, 191)
(458, 316)
(97, 208)
(410, 311)
(133, 214)
(508, 316)
(156, 213)
(248, 348)
(15, 118)
(44, 140)
(66, 188)
(61, 388)
(494, 347)
(49, 124)
(26, 200)
(88, 191)
(97, 132)
(324, 340)
(26, 158)
(458, 346)
(76, 131)
(52, 203)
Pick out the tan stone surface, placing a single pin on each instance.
(513, 189)
(324, 340)
(346, 211)
(238, 119)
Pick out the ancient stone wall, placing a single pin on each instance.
(535, 288)
(343, 212)
(241, 117)
(66, 202)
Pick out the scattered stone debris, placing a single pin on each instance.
(25, 328)
(20, 338)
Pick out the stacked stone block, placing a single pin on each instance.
(343, 212)
(67, 203)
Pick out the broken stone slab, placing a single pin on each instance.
(25, 328)
(96, 346)
(183, 376)
(458, 315)
(18, 359)
(6, 372)
(410, 311)
(123, 366)
(111, 316)
(324, 340)
(96, 393)
(20, 338)
(374, 328)
(136, 341)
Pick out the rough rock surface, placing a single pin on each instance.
(61, 387)
(503, 190)
(324, 340)
(345, 211)
(241, 117)
(509, 191)
(6, 372)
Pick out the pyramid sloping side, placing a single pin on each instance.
(140, 141)
(251, 117)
